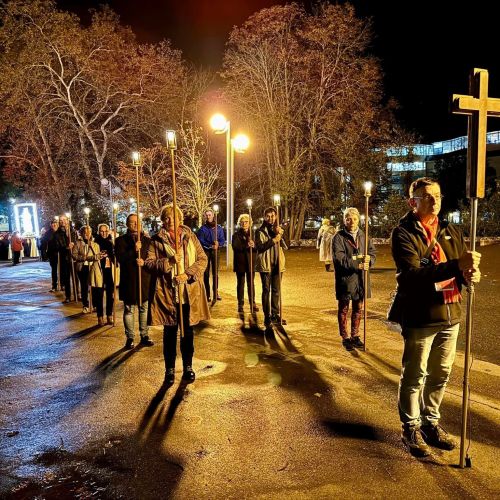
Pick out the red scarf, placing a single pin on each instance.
(448, 287)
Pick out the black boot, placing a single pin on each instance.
(169, 377)
(188, 375)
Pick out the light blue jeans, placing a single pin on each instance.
(129, 318)
(427, 361)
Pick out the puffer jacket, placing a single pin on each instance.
(422, 305)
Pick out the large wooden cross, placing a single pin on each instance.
(478, 106)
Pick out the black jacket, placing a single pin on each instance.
(61, 242)
(241, 252)
(126, 256)
(422, 305)
(105, 245)
(349, 282)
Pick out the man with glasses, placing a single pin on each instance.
(432, 263)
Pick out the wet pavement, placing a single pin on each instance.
(282, 414)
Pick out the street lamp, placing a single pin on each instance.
(240, 143)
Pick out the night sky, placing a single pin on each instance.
(426, 48)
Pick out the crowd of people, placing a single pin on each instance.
(166, 279)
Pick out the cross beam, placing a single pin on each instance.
(478, 106)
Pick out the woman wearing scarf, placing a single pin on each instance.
(349, 263)
(176, 278)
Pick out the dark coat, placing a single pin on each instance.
(162, 306)
(422, 305)
(126, 256)
(349, 280)
(61, 242)
(241, 252)
(50, 241)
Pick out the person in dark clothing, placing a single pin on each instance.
(16, 243)
(242, 245)
(126, 248)
(349, 264)
(103, 239)
(63, 243)
(52, 255)
(430, 296)
(271, 265)
(211, 239)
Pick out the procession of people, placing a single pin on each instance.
(164, 280)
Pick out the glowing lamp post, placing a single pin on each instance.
(249, 204)
(240, 144)
(86, 211)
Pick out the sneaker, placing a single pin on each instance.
(85, 310)
(357, 342)
(169, 377)
(129, 344)
(146, 341)
(347, 343)
(435, 435)
(413, 439)
(188, 374)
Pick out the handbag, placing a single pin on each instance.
(395, 311)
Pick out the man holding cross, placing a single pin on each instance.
(432, 263)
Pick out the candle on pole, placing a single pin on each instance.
(86, 211)
(250, 238)
(277, 204)
(172, 146)
(368, 192)
(73, 274)
(115, 268)
(216, 268)
(136, 162)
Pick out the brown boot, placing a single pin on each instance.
(100, 321)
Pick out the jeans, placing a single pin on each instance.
(170, 341)
(129, 318)
(210, 253)
(54, 264)
(427, 360)
(271, 294)
(240, 288)
(83, 276)
(357, 309)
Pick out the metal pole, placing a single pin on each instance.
(139, 229)
(365, 273)
(176, 244)
(468, 339)
(251, 298)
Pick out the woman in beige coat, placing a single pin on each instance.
(173, 275)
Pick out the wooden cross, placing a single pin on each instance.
(478, 106)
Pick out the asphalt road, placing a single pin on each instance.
(287, 414)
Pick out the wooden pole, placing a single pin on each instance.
(365, 273)
(139, 229)
(75, 293)
(216, 270)
(251, 298)
(279, 270)
(176, 243)
(115, 270)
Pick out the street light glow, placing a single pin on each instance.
(277, 200)
(249, 203)
(68, 215)
(115, 207)
(171, 140)
(241, 143)
(216, 208)
(131, 200)
(104, 182)
(86, 210)
(218, 123)
(368, 188)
